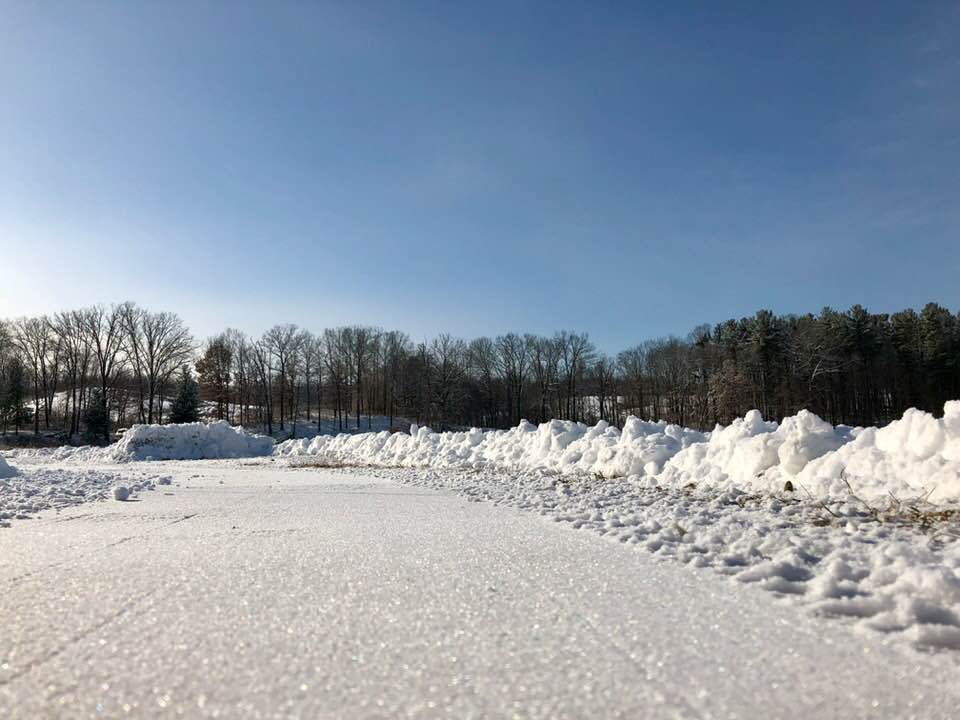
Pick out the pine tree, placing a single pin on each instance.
(12, 393)
(96, 418)
(186, 406)
(213, 373)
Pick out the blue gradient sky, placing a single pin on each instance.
(628, 169)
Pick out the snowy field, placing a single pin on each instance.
(842, 542)
(253, 589)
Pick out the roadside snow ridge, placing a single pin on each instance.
(916, 455)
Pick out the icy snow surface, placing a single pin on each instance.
(259, 592)
(857, 537)
(840, 562)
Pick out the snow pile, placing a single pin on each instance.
(190, 441)
(5, 470)
(752, 454)
(559, 446)
(917, 455)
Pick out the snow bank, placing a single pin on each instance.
(751, 454)
(916, 455)
(5, 470)
(558, 446)
(189, 441)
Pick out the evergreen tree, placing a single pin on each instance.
(13, 390)
(213, 373)
(186, 406)
(96, 418)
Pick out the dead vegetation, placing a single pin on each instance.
(326, 462)
(941, 522)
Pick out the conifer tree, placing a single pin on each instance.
(186, 406)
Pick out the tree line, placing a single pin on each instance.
(124, 364)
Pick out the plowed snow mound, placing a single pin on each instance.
(190, 441)
(559, 446)
(916, 455)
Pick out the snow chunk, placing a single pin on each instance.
(121, 492)
(6, 471)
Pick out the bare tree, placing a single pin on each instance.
(105, 332)
(360, 344)
(282, 341)
(166, 346)
(482, 355)
(214, 370)
(239, 346)
(632, 366)
(545, 362)
(513, 359)
(34, 338)
(262, 357)
(446, 356)
(309, 353)
(70, 329)
(576, 352)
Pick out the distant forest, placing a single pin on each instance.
(852, 367)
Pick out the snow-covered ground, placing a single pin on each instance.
(252, 590)
(851, 523)
(55, 478)
(896, 577)
(56, 487)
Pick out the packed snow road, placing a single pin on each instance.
(249, 590)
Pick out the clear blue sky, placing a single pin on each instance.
(629, 169)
